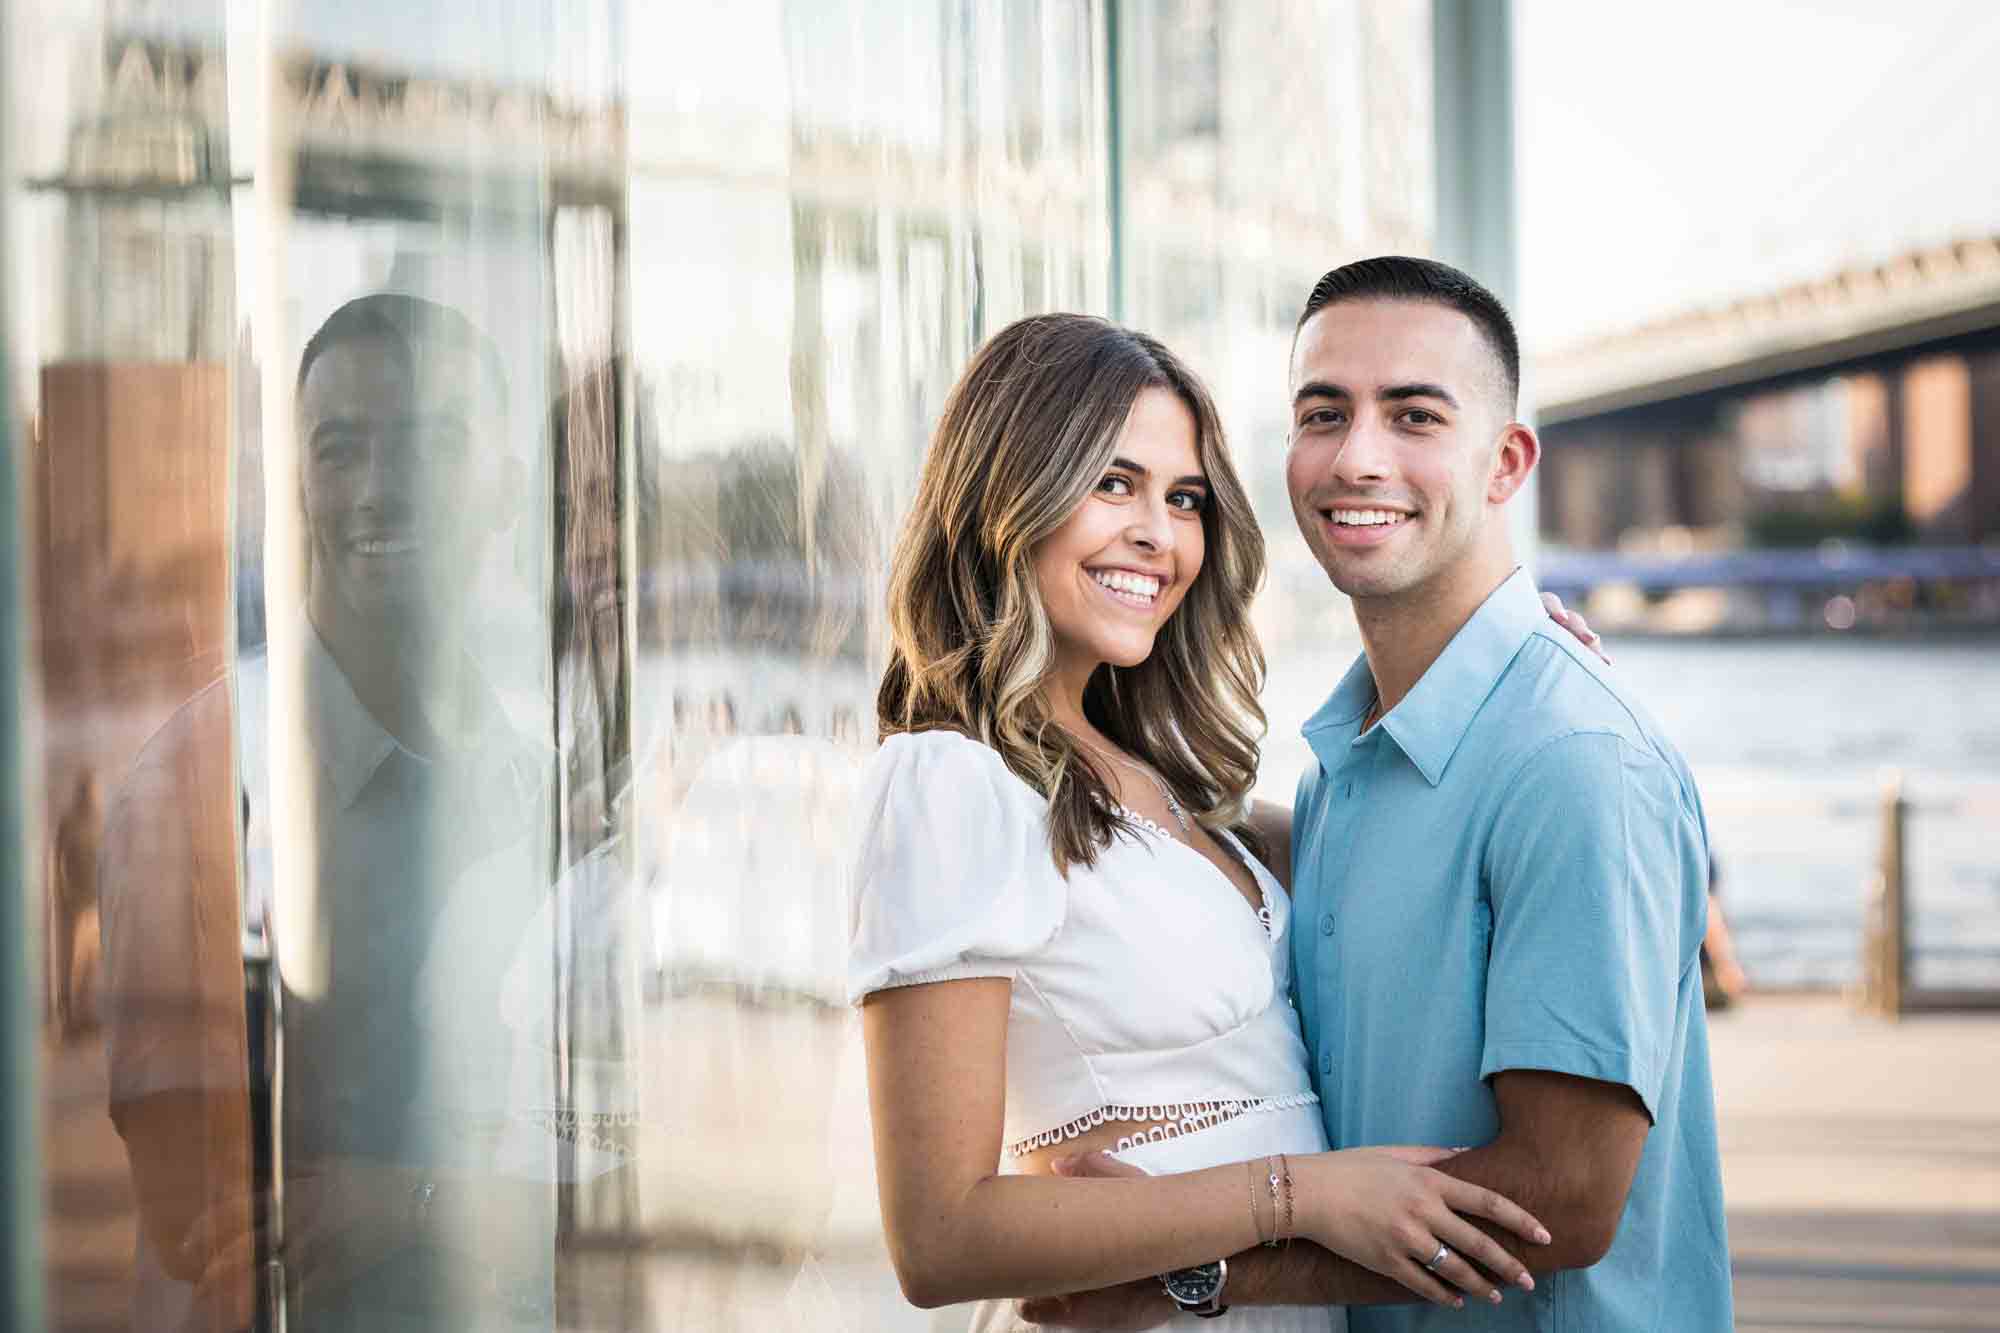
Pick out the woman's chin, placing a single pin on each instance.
(1127, 655)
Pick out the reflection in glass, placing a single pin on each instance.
(464, 444)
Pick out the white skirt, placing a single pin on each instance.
(1259, 1134)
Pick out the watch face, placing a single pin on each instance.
(1194, 1286)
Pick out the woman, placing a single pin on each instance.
(1061, 938)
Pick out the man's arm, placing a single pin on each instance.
(1567, 1151)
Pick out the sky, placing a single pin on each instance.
(1676, 156)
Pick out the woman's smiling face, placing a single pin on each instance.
(1120, 564)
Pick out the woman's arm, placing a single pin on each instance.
(958, 1230)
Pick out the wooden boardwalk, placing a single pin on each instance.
(1861, 1162)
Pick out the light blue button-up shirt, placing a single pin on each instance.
(1510, 871)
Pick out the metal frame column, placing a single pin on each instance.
(1472, 115)
(20, 1009)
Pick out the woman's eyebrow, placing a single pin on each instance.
(1141, 470)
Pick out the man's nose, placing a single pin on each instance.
(380, 473)
(1363, 457)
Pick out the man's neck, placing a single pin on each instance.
(412, 682)
(1404, 634)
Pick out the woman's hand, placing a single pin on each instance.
(1574, 622)
(1387, 1210)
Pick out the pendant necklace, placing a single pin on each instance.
(1174, 807)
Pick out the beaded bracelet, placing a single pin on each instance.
(1285, 1229)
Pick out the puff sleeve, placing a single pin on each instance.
(952, 873)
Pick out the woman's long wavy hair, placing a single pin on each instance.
(1026, 435)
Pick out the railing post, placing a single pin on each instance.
(1888, 935)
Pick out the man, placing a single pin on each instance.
(1500, 865)
(416, 1186)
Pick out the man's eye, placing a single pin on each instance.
(1418, 416)
(1321, 419)
(1114, 484)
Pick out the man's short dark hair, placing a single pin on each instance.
(406, 323)
(1401, 278)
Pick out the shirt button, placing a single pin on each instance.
(1326, 1062)
(1326, 923)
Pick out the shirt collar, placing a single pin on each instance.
(354, 746)
(345, 735)
(1432, 719)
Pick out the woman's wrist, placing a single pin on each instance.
(1315, 1196)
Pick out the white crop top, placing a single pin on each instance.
(1144, 987)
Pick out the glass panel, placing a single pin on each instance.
(464, 442)
(1264, 145)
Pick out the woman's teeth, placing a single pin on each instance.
(1138, 588)
(1366, 518)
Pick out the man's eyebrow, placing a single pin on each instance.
(1396, 393)
(1319, 389)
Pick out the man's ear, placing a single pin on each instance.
(1518, 452)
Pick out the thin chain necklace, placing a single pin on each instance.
(1174, 807)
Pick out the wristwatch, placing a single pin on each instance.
(1198, 1290)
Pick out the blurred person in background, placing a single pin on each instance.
(1506, 862)
(416, 1189)
(1723, 981)
(1062, 936)
(73, 896)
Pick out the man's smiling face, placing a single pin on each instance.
(1397, 410)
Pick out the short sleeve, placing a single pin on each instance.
(1597, 871)
(952, 874)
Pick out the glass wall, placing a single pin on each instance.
(460, 448)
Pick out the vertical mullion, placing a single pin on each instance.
(20, 1091)
(1472, 116)
(1114, 158)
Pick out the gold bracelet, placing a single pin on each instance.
(1256, 1227)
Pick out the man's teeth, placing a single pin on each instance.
(1367, 517)
(386, 545)
(1138, 585)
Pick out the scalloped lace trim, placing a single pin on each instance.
(1175, 1119)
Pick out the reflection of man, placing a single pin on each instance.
(408, 1197)
(1499, 864)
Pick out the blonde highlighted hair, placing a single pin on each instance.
(1027, 433)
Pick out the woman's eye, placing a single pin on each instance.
(1191, 501)
(1115, 485)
